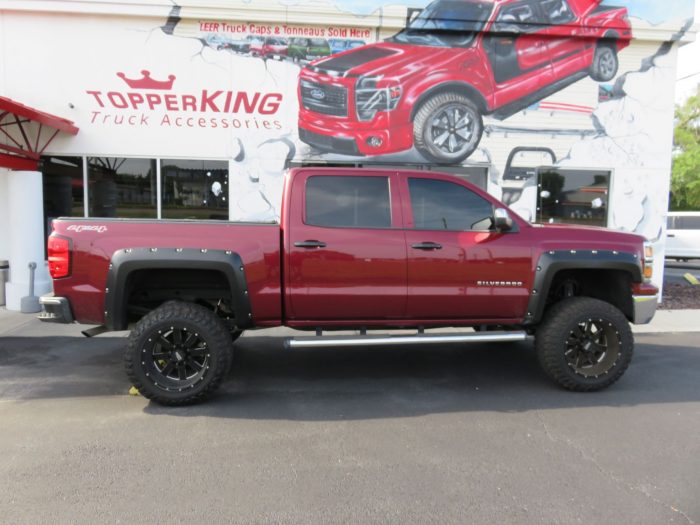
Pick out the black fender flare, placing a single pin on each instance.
(127, 260)
(553, 261)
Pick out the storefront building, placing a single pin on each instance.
(193, 109)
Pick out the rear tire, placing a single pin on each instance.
(178, 354)
(605, 62)
(584, 344)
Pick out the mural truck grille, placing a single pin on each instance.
(329, 100)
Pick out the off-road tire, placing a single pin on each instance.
(605, 62)
(553, 337)
(213, 353)
(423, 125)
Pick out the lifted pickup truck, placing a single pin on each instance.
(356, 249)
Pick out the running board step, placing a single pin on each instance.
(420, 339)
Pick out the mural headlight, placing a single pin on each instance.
(371, 97)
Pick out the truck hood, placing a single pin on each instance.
(384, 58)
(575, 232)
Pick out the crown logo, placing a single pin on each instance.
(147, 82)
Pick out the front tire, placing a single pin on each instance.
(447, 128)
(584, 344)
(605, 62)
(178, 354)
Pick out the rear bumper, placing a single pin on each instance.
(644, 308)
(56, 309)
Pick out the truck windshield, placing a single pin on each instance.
(446, 23)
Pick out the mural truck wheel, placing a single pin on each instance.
(447, 128)
(605, 62)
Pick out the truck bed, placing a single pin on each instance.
(95, 241)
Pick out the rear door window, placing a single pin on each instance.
(348, 202)
(689, 223)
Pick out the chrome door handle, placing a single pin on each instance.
(427, 246)
(310, 244)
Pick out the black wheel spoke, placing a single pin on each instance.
(200, 351)
(177, 336)
(163, 342)
(197, 367)
(169, 367)
(190, 341)
(182, 371)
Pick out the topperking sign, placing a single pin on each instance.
(147, 101)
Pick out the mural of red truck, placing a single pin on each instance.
(430, 85)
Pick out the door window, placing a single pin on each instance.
(442, 205)
(558, 11)
(348, 202)
(518, 18)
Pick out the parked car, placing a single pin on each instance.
(255, 45)
(338, 45)
(356, 248)
(430, 85)
(683, 235)
(239, 45)
(308, 48)
(217, 41)
(275, 47)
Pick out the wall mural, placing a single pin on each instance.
(565, 106)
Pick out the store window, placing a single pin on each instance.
(122, 187)
(573, 196)
(63, 187)
(194, 189)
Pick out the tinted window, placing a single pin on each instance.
(558, 11)
(348, 202)
(441, 205)
(121, 187)
(194, 189)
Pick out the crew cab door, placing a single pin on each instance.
(345, 249)
(517, 50)
(458, 266)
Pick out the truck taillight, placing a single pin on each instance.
(648, 265)
(59, 257)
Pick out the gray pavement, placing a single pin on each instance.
(449, 434)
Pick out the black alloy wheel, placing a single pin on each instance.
(178, 354)
(593, 348)
(584, 344)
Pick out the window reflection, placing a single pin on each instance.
(122, 187)
(194, 189)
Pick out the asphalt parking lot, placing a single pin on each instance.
(450, 434)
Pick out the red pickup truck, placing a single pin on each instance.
(429, 85)
(356, 249)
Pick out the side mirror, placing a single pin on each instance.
(501, 220)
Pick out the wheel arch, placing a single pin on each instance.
(128, 263)
(604, 275)
(457, 87)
